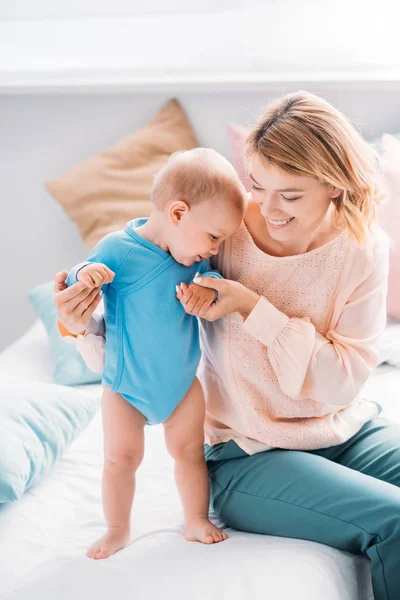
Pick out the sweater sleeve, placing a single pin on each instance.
(331, 369)
(91, 348)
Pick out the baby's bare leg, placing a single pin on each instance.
(123, 428)
(184, 436)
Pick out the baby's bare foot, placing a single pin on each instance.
(203, 531)
(110, 543)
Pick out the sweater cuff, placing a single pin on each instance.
(64, 332)
(265, 322)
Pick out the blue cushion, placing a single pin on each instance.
(37, 423)
(69, 367)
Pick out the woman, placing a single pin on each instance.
(292, 447)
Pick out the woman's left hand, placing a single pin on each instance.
(232, 297)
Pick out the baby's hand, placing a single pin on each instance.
(95, 275)
(196, 300)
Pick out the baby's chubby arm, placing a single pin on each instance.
(97, 271)
(102, 264)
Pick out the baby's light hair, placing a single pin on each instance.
(303, 134)
(193, 176)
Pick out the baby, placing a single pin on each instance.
(152, 350)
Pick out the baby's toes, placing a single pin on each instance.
(209, 539)
(92, 551)
(221, 536)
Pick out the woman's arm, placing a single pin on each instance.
(76, 304)
(232, 297)
(91, 348)
(330, 369)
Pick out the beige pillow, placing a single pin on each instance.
(105, 191)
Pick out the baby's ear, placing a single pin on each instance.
(177, 211)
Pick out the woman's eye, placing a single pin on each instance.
(213, 237)
(254, 187)
(289, 199)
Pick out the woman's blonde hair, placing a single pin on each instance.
(303, 134)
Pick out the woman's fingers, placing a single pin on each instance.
(86, 303)
(74, 301)
(71, 292)
(91, 308)
(179, 293)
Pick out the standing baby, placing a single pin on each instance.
(151, 352)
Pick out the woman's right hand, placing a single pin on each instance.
(76, 304)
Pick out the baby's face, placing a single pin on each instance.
(202, 229)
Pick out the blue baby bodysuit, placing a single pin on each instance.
(152, 345)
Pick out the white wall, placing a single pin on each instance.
(42, 135)
(26, 9)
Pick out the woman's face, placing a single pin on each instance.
(293, 206)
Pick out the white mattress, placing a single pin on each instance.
(44, 536)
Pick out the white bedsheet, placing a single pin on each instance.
(44, 536)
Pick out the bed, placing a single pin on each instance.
(61, 103)
(44, 536)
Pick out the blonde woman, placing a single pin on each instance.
(293, 449)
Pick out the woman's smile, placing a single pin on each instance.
(279, 224)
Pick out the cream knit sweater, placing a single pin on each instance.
(292, 373)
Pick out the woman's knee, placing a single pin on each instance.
(357, 513)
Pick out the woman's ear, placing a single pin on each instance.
(334, 192)
(177, 211)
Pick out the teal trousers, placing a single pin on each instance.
(345, 496)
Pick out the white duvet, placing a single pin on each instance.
(44, 536)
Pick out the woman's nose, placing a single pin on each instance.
(267, 204)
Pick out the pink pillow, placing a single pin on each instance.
(237, 136)
(389, 218)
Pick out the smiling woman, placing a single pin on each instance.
(297, 211)
(294, 156)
